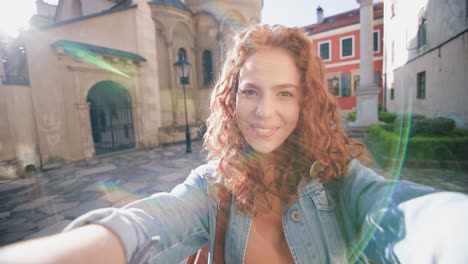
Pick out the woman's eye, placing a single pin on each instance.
(286, 94)
(248, 92)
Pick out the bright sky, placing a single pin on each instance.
(15, 14)
(298, 13)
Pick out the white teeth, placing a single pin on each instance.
(264, 131)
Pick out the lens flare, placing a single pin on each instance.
(87, 56)
(403, 127)
(116, 195)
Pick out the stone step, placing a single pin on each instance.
(357, 132)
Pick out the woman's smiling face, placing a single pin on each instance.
(267, 100)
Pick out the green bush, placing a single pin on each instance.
(387, 117)
(459, 132)
(388, 127)
(433, 126)
(385, 144)
(403, 118)
(383, 141)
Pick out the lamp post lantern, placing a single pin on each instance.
(182, 67)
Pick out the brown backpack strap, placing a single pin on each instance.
(222, 218)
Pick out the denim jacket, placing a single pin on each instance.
(337, 222)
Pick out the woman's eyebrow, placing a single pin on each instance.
(276, 87)
(250, 84)
(285, 85)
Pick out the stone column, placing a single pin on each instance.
(86, 131)
(174, 83)
(367, 91)
(195, 83)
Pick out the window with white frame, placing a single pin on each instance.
(347, 47)
(376, 40)
(325, 50)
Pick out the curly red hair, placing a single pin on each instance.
(318, 136)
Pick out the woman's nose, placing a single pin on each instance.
(265, 107)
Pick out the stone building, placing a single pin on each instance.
(100, 76)
(426, 58)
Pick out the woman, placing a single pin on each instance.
(299, 191)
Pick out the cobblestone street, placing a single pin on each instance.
(47, 202)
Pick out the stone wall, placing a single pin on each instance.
(59, 82)
(18, 140)
(446, 83)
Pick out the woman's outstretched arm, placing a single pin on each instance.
(87, 244)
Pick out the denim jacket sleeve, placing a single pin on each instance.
(369, 214)
(165, 227)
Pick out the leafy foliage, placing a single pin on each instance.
(433, 126)
(452, 146)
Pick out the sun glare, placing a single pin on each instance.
(15, 15)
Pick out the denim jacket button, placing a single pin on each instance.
(296, 216)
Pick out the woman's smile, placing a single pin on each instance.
(263, 131)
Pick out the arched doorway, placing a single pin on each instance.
(111, 117)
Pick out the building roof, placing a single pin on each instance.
(102, 13)
(99, 49)
(341, 20)
(174, 3)
(121, 3)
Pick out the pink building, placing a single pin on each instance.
(337, 41)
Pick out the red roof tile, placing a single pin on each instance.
(341, 20)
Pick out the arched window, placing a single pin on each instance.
(182, 54)
(207, 67)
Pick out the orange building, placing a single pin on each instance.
(336, 39)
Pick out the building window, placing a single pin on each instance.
(182, 54)
(333, 83)
(347, 47)
(421, 85)
(325, 50)
(377, 78)
(392, 93)
(376, 41)
(15, 65)
(422, 33)
(346, 84)
(339, 84)
(207, 67)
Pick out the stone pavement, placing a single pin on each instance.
(46, 203)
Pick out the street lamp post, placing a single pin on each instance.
(182, 68)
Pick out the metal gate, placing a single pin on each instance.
(112, 127)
